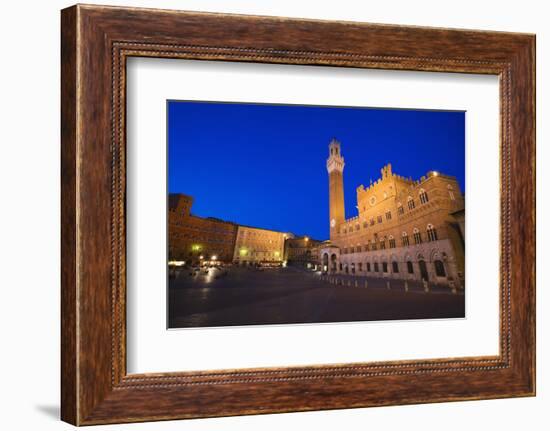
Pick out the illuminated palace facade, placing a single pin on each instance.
(405, 229)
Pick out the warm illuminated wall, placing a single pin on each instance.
(190, 237)
(401, 220)
(258, 245)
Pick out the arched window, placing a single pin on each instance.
(410, 202)
(439, 268)
(385, 266)
(400, 209)
(367, 246)
(388, 215)
(391, 241)
(410, 268)
(395, 267)
(382, 243)
(417, 237)
(357, 227)
(405, 239)
(379, 219)
(451, 193)
(423, 196)
(368, 266)
(360, 266)
(373, 245)
(432, 233)
(353, 268)
(376, 268)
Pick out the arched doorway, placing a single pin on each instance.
(325, 262)
(439, 268)
(333, 267)
(423, 270)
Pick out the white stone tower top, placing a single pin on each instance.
(335, 161)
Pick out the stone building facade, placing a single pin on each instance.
(302, 251)
(259, 246)
(193, 238)
(405, 229)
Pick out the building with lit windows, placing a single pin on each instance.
(303, 251)
(405, 229)
(193, 238)
(259, 246)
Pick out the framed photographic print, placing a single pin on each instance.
(265, 214)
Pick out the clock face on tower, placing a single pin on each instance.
(332, 223)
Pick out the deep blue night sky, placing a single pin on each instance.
(264, 165)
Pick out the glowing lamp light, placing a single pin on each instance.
(214, 257)
(201, 257)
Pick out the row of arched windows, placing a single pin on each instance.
(424, 199)
(422, 195)
(439, 267)
(366, 224)
(431, 235)
(411, 204)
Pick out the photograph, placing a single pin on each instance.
(288, 214)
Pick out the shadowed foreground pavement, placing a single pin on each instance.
(288, 295)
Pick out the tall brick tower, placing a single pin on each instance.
(335, 168)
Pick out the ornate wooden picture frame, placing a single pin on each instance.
(96, 41)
